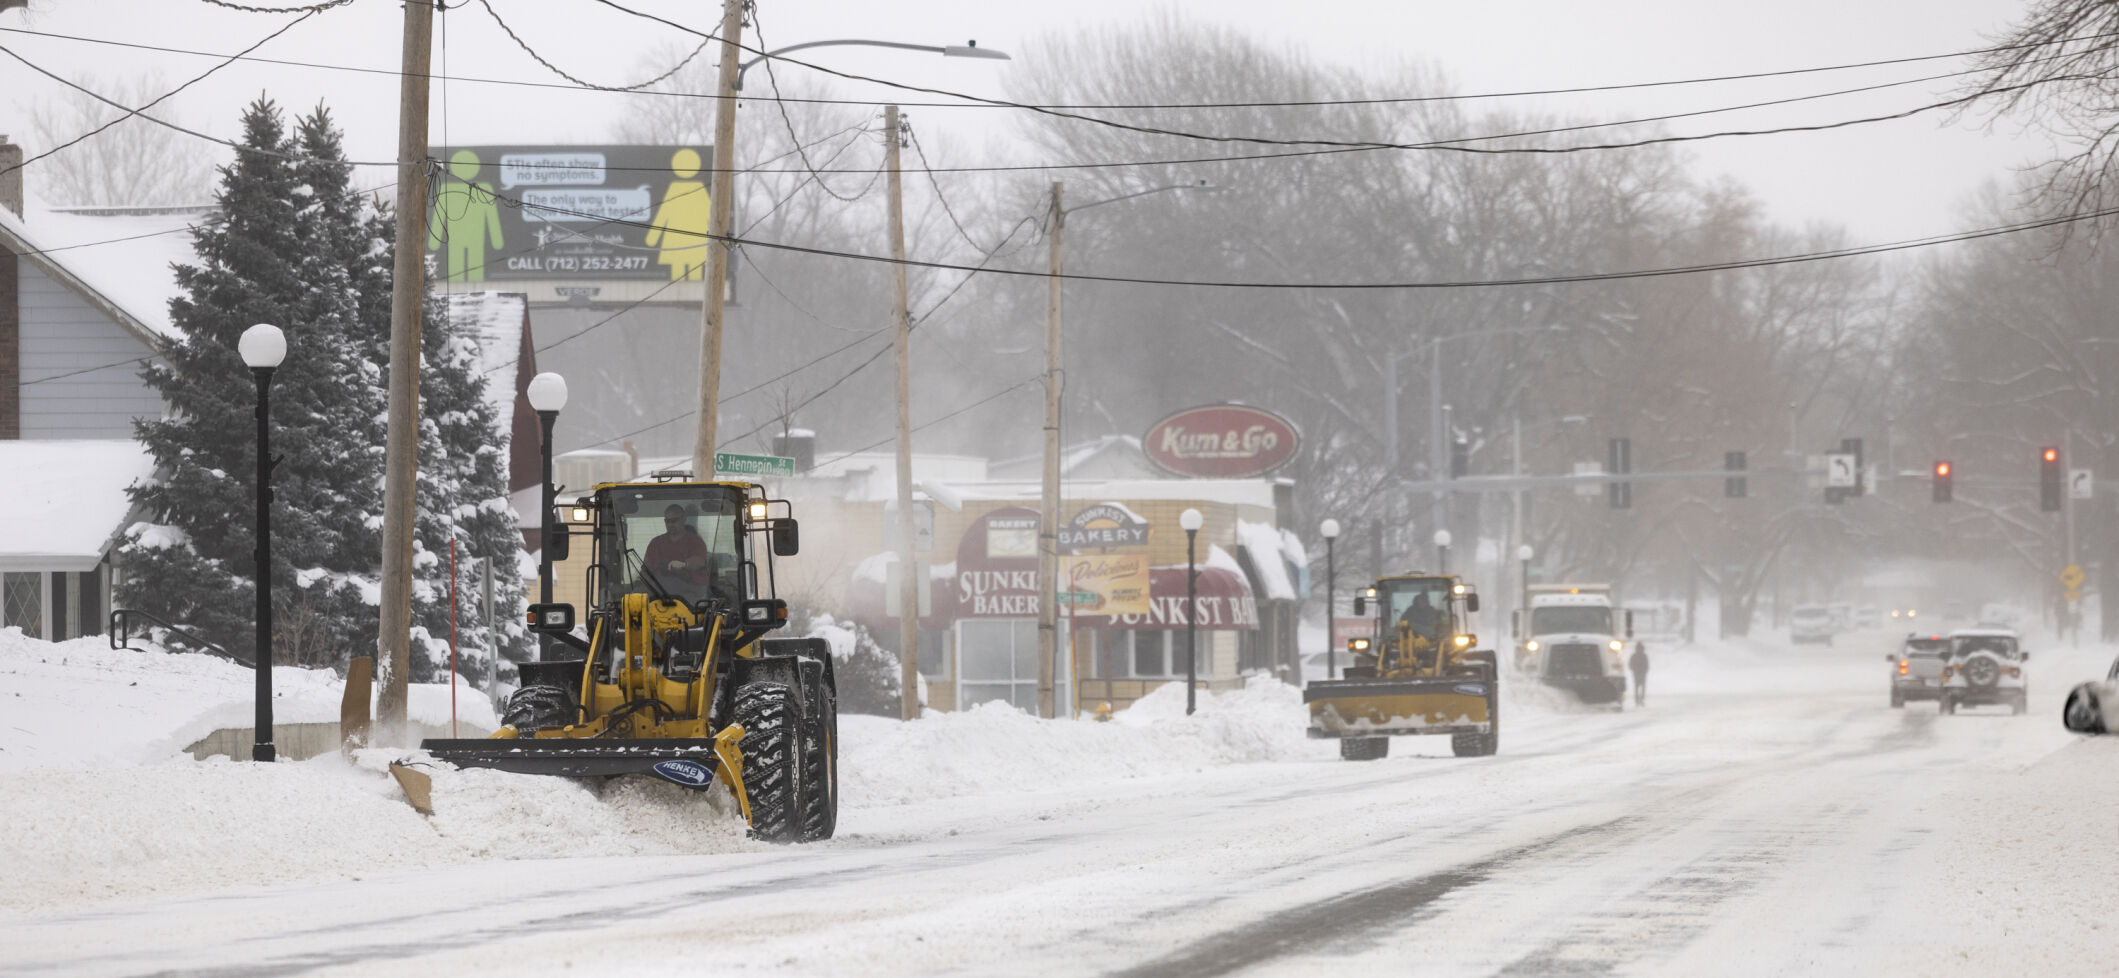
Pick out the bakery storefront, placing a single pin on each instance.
(1125, 621)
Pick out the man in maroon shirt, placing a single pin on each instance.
(679, 558)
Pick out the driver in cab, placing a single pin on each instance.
(678, 557)
(1423, 623)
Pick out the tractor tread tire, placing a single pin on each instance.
(1364, 748)
(819, 795)
(766, 712)
(539, 707)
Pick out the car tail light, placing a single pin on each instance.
(1904, 666)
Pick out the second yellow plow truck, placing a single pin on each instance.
(1419, 675)
(676, 679)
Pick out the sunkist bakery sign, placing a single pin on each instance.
(1221, 441)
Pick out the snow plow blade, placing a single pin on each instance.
(1399, 707)
(686, 761)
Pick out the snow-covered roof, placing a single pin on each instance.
(123, 260)
(66, 500)
(1262, 540)
(494, 320)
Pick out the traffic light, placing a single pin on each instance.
(1942, 482)
(1735, 486)
(1620, 493)
(2049, 480)
(1460, 457)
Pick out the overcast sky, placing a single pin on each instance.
(1884, 181)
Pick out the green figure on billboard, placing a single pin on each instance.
(680, 225)
(464, 216)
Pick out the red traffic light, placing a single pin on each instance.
(2052, 455)
(1942, 468)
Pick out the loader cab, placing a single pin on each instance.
(686, 540)
(1434, 612)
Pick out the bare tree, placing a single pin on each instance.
(2058, 69)
(133, 162)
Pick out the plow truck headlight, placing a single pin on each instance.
(1532, 645)
(1618, 646)
(757, 512)
(1463, 640)
(1358, 644)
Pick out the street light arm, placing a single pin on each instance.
(971, 50)
(1201, 185)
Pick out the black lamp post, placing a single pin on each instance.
(262, 348)
(1191, 520)
(548, 394)
(1330, 529)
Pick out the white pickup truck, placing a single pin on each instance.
(1575, 640)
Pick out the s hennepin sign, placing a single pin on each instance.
(1221, 441)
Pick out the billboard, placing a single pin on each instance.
(504, 213)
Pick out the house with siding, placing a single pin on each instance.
(83, 306)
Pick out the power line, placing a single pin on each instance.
(1129, 106)
(940, 197)
(1457, 144)
(790, 125)
(1849, 252)
(555, 69)
(1274, 141)
(314, 8)
(130, 112)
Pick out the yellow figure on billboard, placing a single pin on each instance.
(680, 224)
(464, 215)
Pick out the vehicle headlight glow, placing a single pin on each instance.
(1531, 645)
(1618, 646)
(1464, 640)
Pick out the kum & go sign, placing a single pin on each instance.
(1221, 441)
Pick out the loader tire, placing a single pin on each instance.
(539, 708)
(766, 712)
(819, 746)
(1364, 748)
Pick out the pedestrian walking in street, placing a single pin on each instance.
(1639, 665)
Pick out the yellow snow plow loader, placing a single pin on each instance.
(676, 679)
(1419, 675)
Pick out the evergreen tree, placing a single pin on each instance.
(299, 250)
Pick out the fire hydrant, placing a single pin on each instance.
(1103, 712)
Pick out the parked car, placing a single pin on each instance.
(1916, 669)
(1810, 623)
(2093, 707)
(1986, 667)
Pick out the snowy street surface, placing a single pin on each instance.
(1767, 814)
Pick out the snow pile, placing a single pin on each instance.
(996, 748)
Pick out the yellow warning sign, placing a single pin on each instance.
(2071, 577)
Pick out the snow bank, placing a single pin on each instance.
(997, 748)
(103, 803)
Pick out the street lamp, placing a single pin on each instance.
(1191, 520)
(1330, 530)
(1048, 510)
(969, 49)
(263, 347)
(548, 394)
(1442, 550)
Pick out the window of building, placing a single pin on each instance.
(22, 602)
(998, 659)
(1120, 653)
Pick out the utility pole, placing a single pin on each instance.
(720, 221)
(408, 288)
(1048, 520)
(908, 584)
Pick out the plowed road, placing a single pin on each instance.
(1768, 815)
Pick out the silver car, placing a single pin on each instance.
(1916, 669)
(2093, 707)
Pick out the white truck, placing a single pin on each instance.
(1574, 638)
